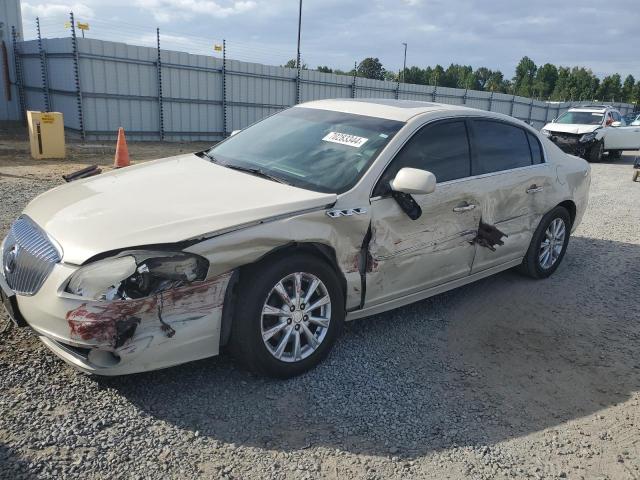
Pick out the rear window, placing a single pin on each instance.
(499, 146)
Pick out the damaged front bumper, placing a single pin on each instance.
(573, 144)
(126, 336)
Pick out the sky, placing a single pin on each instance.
(601, 35)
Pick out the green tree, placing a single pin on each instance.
(496, 82)
(324, 69)
(414, 75)
(545, 80)
(437, 76)
(371, 68)
(610, 89)
(627, 89)
(523, 82)
(292, 64)
(483, 75)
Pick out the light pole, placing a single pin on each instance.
(404, 67)
(299, 28)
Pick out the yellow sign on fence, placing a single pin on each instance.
(83, 26)
(217, 47)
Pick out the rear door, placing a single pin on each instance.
(410, 255)
(509, 170)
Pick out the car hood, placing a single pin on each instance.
(163, 201)
(570, 128)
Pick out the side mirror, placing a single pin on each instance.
(234, 132)
(616, 124)
(413, 181)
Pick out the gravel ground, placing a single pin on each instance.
(505, 378)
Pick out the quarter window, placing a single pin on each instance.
(499, 146)
(536, 151)
(442, 149)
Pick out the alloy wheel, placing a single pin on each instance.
(295, 317)
(552, 244)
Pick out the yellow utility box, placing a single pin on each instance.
(46, 134)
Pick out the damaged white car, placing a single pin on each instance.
(266, 243)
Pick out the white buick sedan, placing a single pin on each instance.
(267, 242)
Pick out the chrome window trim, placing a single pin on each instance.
(463, 118)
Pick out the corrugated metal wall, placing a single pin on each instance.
(10, 16)
(203, 97)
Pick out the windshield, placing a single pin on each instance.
(581, 118)
(320, 150)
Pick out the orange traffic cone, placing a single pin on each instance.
(122, 152)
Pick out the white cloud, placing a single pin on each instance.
(165, 11)
(44, 10)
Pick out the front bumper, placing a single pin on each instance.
(570, 143)
(89, 335)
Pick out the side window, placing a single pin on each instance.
(536, 149)
(441, 148)
(616, 117)
(498, 146)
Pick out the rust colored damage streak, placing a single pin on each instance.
(106, 322)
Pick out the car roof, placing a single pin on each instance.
(400, 110)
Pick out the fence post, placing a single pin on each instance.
(513, 104)
(433, 94)
(464, 97)
(17, 59)
(491, 101)
(76, 73)
(43, 69)
(355, 76)
(530, 111)
(159, 68)
(397, 92)
(224, 88)
(298, 80)
(546, 115)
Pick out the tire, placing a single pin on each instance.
(636, 174)
(615, 154)
(596, 152)
(257, 293)
(533, 264)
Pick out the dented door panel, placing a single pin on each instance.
(514, 202)
(411, 255)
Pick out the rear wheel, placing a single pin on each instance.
(596, 152)
(288, 315)
(548, 245)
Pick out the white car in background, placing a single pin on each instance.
(592, 130)
(327, 211)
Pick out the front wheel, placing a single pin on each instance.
(288, 314)
(548, 245)
(596, 152)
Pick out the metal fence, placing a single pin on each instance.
(156, 94)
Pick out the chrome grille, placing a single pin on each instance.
(28, 256)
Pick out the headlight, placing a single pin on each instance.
(545, 132)
(136, 274)
(587, 137)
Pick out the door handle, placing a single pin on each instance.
(464, 208)
(534, 189)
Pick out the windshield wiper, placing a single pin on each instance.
(254, 171)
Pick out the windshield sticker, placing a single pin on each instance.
(345, 139)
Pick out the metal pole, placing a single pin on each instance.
(159, 71)
(43, 69)
(397, 92)
(513, 103)
(530, 110)
(18, 66)
(404, 67)
(433, 94)
(76, 73)
(491, 101)
(224, 88)
(464, 97)
(355, 75)
(298, 53)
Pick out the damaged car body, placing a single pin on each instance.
(267, 242)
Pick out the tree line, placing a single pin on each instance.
(545, 82)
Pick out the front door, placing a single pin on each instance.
(622, 138)
(408, 255)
